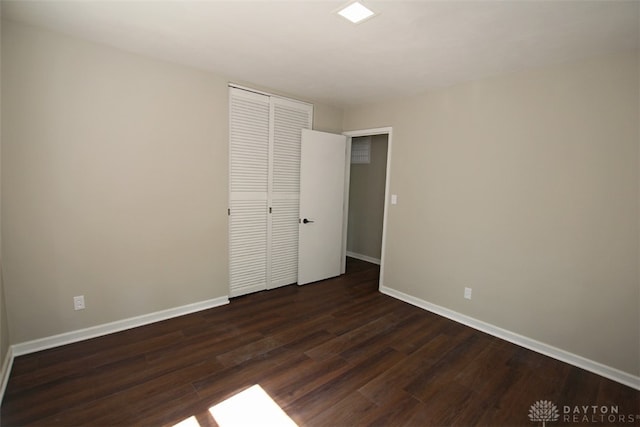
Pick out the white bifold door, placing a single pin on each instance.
(264, 193)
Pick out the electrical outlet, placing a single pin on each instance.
(467, 293)
(394, 199)
(78, 302)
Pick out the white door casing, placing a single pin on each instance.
(387, 188)
(322, 182)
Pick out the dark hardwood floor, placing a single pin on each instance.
(335, 353)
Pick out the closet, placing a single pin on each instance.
(264, 189)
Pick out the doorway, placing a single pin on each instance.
(367, 195)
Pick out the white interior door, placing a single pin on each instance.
(322, 173)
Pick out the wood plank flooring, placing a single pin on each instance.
(335, 353)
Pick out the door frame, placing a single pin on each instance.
(345, 220)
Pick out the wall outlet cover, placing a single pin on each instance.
(78, 302)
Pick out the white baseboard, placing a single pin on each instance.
(117, 326)
(6, 370)
(363, 257)
(531, 344)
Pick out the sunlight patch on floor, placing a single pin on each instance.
(189, 422)
(251, 407)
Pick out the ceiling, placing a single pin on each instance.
(304, 48)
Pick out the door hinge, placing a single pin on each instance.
(270, 209)
(229, 211)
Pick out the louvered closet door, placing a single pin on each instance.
(289, 118)
(249, 128)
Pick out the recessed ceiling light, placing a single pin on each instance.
(356, 12)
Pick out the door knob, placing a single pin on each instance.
(306, 221)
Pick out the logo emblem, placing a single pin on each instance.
(543, 410)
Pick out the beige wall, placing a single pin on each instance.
(4, 328)
(366, 201)
(114, 183)
(524, 188)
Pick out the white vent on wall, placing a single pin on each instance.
(361, 150)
